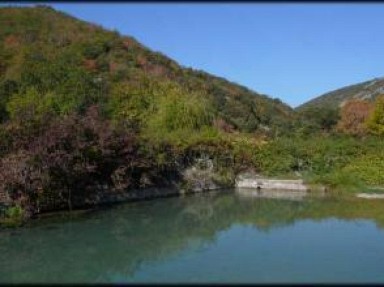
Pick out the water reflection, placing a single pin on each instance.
(119, 243)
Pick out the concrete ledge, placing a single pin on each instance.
(264, 183)
(370, 195)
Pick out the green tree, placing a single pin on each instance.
(315, 119)
(178, 109)
(375, 122)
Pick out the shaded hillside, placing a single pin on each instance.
(368, 90)
(81, 64)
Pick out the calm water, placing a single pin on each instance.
(218, 237)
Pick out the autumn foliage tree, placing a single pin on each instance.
(70, 159)
(353, 117)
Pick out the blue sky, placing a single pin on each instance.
(292, 51)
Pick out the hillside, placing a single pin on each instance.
(86, 112)
(368, 90)
(56, 53)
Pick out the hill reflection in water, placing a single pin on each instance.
(215, 237)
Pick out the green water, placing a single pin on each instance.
(216, 237)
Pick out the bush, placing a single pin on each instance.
(338, 180)
(368, 168)
(14, 216)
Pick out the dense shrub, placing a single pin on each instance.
(71, 157)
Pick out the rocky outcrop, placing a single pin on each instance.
(200, 176)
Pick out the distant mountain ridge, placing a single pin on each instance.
(367, 90)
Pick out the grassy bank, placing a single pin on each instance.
(341, 163)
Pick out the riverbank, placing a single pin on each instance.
(197, 178)
(337, 165)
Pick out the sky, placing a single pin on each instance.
(291, 51)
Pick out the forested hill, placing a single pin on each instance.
(368, 90)
(68, 65)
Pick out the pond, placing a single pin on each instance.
(220, 237)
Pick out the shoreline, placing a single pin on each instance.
(248, 182)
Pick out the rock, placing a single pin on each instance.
(199, 177)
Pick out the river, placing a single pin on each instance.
(218, 237)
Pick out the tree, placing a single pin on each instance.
(375, 122)
(353, 117)
(178, 109)
(312, 120)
